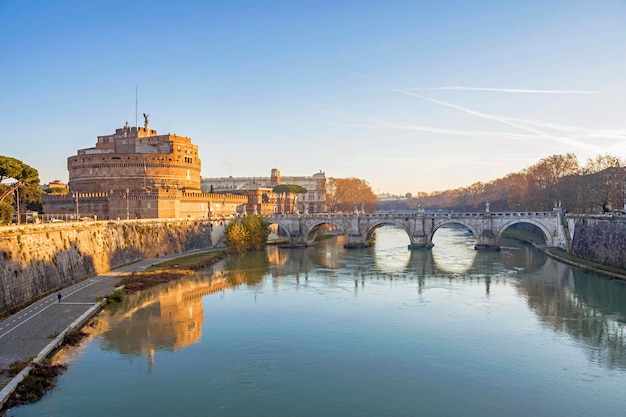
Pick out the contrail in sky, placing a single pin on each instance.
(474, 112)
(533, 129)
(507, 121)
(503, 90)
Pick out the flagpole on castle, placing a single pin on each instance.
(136, 107)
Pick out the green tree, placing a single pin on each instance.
(23, 176)
(258, 231)
(248, 233)
(6, 213)
(14, 174)
(289, 188)
(237, 237)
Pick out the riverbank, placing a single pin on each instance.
(584, 264)
(565, 257)
(27, 344)
(171, 270)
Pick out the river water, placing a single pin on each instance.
(382, 331)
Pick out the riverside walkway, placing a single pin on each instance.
(37, 330)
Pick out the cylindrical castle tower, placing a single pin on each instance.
(135, 158)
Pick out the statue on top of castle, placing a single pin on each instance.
(146, 123)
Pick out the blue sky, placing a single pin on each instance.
(408, 95)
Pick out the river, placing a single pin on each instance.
(383, 331)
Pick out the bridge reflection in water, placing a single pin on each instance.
(588, 308)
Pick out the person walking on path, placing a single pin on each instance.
(59, 296)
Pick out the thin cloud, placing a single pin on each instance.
(512, 122)
(504, 90)
(430, 129)
(533, 129)
(364, 77)
(582, 132)
(496, 118)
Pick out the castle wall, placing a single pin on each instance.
(37, 259)
(116, 171)
(141, 204)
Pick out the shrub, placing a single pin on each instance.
(249, 233)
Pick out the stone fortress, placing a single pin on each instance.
(135, 173)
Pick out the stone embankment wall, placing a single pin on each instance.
(37, 259)
(601, 240)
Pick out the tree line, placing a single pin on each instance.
(597, 186)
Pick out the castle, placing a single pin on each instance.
(137, 173)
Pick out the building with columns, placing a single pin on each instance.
(263, 200)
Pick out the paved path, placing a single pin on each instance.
(27, 333)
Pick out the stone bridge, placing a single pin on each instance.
(487, 227)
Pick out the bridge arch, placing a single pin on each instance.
(455, 222)
(377, 225)
(539, 225)
(280, 227)
(312, 230)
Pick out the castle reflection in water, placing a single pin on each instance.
(171, 316)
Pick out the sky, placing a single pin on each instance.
(411, 96)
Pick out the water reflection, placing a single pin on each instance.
(454, 249)
(590, 309)
(249, 268)
(389, 252)
(166, 317)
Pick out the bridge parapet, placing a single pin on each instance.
(358, 227)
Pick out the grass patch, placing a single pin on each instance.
(561, 254)
(193, 262)
(116, 297)
(171, 270)
(523, 236)
(145, 280)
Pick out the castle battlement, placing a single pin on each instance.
(137, 173)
